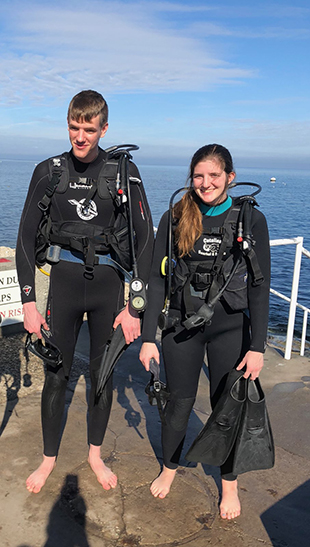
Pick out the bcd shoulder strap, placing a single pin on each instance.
(59, 178)
(58, 173)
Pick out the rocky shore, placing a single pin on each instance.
(22, 374)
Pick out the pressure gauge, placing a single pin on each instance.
(136, 285)
(138, 303)
(137, 294)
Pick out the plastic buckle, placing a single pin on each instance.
(42, 207)
(88, 272)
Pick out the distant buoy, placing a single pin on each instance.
(273, 179)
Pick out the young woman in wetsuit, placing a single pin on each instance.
(234, 338)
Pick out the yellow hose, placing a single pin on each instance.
(163, 267)
(44, 272)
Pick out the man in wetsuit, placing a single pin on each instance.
(72, 293)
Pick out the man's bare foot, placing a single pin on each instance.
(38, 478)
(230, 507)
(104, 474)
(160, 487)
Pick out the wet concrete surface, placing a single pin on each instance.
(72, 510)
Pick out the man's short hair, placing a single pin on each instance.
(87, 105)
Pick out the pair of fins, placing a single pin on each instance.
(238, 423)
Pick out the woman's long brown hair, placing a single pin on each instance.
(186, 211)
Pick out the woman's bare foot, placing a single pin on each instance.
(104, 475)
(160, 487)
(230, 507)
(38, 478)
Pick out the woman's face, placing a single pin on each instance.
(210, 181)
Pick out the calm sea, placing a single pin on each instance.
(285, 203)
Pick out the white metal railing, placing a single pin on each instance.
(300, 250)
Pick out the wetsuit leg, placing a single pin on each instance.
(65, 308)
(183, 353)
(70, 296)
(227, 344)
(227, 340)
(52, 409)
(102, 307)
(64, 316)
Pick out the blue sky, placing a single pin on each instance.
(176, 75)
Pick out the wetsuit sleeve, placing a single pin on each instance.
(30, 219)
(143, 225)
(156, 291)
(258, 296)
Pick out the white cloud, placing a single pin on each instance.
(207, 29)
(109, 45)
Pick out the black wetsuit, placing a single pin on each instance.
(230, 335)
(71, 294)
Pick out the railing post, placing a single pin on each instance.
(304, 332)
(294, 295)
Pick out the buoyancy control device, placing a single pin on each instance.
(223, 279)
(89, 241)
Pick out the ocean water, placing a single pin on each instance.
(285, 203)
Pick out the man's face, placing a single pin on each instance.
(84, 138)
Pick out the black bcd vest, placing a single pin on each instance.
(80, 236)
(206, 278)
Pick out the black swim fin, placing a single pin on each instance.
(115, 347)
(254, 448)
(216, 439)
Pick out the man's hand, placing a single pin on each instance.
(148, 351)
(33, 319)
(130, 322)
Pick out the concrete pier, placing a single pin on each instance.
(72, 510)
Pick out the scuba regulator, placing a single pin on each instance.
(137, 289)
(164, 320)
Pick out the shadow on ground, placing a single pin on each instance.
(282, 520)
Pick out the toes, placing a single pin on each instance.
(155, 492)
(105, 485)
(113, 480)
(227, 515)
(33, 488)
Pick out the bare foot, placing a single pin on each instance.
(160, 487)
(104, 474)
(230, 507)
(38, 478)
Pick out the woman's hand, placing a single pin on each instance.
(254, 362)
(148, 351)
(130, 321)
(33, 319)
